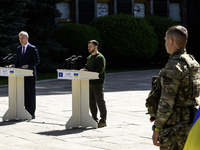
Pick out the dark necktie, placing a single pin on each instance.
(23, 50)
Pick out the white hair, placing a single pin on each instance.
(23, 33)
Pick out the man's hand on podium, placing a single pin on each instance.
(24, 67)
(83, 70)
(12, 66)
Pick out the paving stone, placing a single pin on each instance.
(128, 127)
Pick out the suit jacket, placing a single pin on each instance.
(31, 58)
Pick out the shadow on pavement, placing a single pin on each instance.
(10, 122)
(115, 82)
(64, 132)
(53, 87)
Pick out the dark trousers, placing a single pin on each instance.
(30, 94)
(97, 100)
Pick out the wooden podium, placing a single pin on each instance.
(80, 97)
(16, 109)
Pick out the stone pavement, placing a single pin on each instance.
(128, 128)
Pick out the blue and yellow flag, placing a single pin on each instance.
(12, 72)
(75, 75)
(192, 142)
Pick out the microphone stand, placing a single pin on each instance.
(6, 60)
(68, 60)
(74, 62)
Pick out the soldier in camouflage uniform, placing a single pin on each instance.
(179, 83)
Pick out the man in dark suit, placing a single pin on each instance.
(27, 57)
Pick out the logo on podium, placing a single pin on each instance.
(60, 74)
(68, 75)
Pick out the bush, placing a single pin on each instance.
(160, 25)
(52, 56)
(75, 37)
(51, 53)
(127, 40)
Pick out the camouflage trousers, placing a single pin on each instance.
(174, 138)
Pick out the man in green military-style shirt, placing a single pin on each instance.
(97, 63)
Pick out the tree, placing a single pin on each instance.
(11, 21)
(37, 17)
(40, 17)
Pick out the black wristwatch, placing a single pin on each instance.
(153, 127)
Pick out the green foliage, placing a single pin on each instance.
(127, 40)
(75, 37)
(37, 17)
(160, 25)
(11, 21)
(41, 16)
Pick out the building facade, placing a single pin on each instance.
(185, 12)
(84, 11)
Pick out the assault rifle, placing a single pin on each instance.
(153, 98)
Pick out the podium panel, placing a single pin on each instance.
(16, 109)
(15, 72)
(77, 74)
(80, 97)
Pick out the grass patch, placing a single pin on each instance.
(3, 80)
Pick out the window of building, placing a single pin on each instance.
(140, 8)
(175, 12)
(104, 7)
(66, 10)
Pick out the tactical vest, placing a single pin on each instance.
(194, 74)
(194, 91)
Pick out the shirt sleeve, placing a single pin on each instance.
(170, 83)
(35, 58)
(101, 65)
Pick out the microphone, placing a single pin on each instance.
(70, 58)
(77, 58)
(75, 61)
(12, 57)
(7, 56)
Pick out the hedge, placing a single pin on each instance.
(75, 37)
(127, 40)
(160, 25)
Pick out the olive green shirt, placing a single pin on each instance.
(96, 63)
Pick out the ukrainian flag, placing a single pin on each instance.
(76, 75)
(12, 73)
(192, 142)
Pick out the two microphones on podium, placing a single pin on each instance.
(73, 61)
(8, 59)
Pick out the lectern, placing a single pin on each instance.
(80, 97)
(16, 109)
